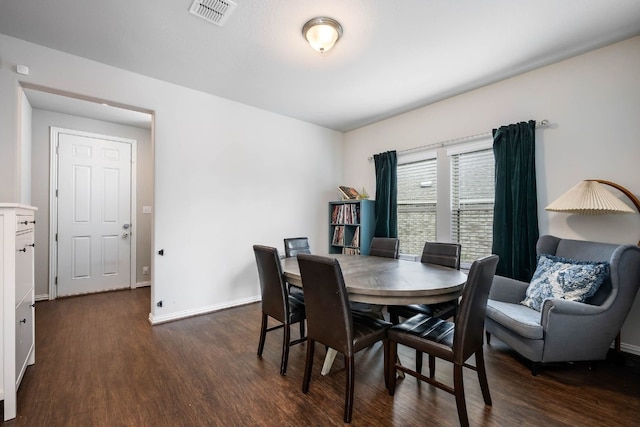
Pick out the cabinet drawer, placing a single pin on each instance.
(24, 335)
(24, 264)
(24, 223)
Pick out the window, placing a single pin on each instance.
(416, 205)
(457, 209)
(472, 195)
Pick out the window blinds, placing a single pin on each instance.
(417, 184)
(472, 196)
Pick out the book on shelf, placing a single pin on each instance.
(349, 193)
(345, 214)
(356, 238)
(351, 251)
(338, 236)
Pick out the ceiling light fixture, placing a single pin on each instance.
(322, 33)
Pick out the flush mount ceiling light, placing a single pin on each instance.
(322, 33)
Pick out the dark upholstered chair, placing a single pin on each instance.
(453, 342)
(292, 247)
(445, 254)
(276, 302)
(330, 321)
(296, 245)
(386, 247)
(567, 331)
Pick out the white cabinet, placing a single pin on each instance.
(16, 279)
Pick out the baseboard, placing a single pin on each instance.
(142, 284)
(631, 349)
(156, 320)
(42, 297)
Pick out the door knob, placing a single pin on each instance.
(126, 226)
(125, 234)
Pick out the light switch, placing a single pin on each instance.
(146, 209)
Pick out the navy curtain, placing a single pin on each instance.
(515, 216)
(386, 194)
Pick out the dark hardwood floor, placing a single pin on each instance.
(100, 363)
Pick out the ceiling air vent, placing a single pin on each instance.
(216, 11)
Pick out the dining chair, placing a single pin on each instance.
(296, 245)
(277, 303)
(447, 255)
(331, 322)
(292, 247)
(386, 247)
(453, 342)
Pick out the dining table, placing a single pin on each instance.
(387, 281)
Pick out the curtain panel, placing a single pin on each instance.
(386, 208)
(515, 219)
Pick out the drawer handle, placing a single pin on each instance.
(23, 321)
(26, 222)
(33, 245)
(22, 250)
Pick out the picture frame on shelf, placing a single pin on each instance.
(348, 193)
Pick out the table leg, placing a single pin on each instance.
(328, 361)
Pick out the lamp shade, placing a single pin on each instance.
(589, 197)
(322, 33)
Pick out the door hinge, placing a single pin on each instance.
(56, 237)
(56, 192)
(56, 281)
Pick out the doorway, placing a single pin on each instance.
(53, 108)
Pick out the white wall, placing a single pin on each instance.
(25, 143)
(593, 104)
(227, 175)
(42, 122)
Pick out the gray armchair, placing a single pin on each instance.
(565, 331)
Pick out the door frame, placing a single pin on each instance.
(53, 202)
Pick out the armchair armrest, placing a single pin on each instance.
(556, 307)
(507, 290)
(575, 331)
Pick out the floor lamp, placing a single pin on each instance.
(589, 197)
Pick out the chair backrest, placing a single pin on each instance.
(275, 301)
(296, 245)
(468, 336)
(446, 254)
(326, 302)
(387, 247)
(619, 290)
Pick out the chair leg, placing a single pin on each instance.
(418, 361)
(394, 318)
(391, 369)
(432, 366)
(348, 399)
(302, 329)
(458, 387)
(482, 377)
(286, 340)
(263, 334)
(308, 365)
(385, 344)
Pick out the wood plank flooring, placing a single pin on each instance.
(100, 363)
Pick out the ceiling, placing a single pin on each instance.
(394, 56)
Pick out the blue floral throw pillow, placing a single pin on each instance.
(557, 277)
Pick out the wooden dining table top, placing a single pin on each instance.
(388, 281)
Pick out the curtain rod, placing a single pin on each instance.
(539, 124)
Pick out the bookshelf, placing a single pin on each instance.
(351, 224)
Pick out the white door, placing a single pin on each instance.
(94, 214)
